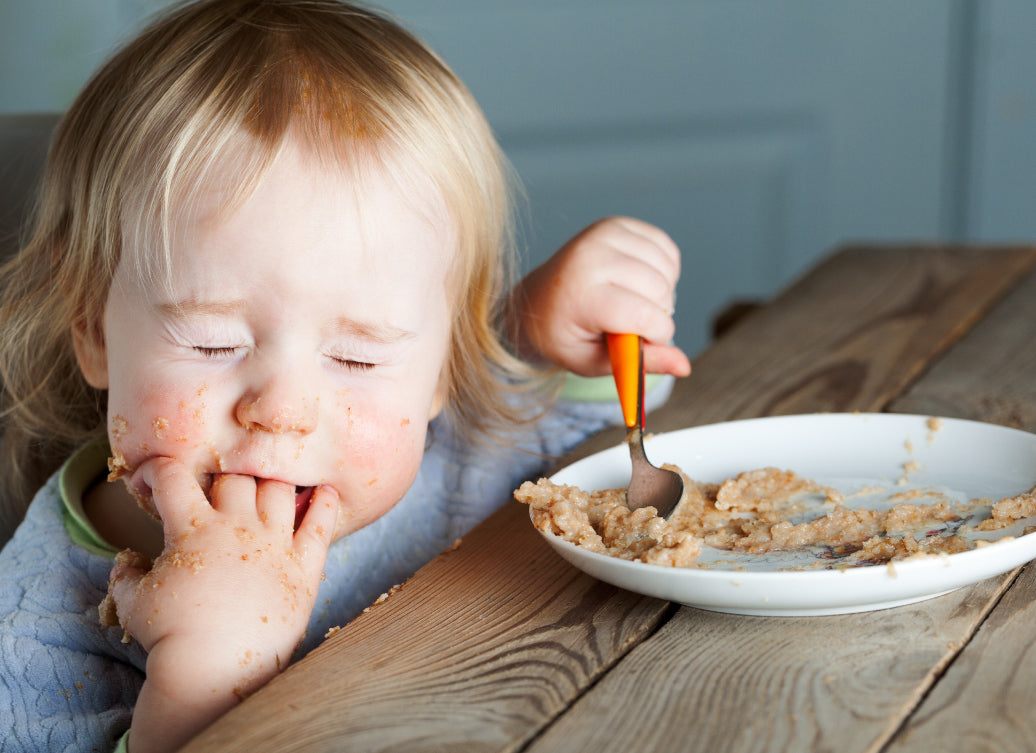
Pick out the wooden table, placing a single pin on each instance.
(499, 645)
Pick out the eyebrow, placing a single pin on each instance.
(386, 334)
(194, 307)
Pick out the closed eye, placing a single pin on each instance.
(217, 352)
(351, 365)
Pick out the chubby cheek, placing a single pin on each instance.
(377, 462)
(159, 422)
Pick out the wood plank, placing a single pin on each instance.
(718, 682)
(983, 701)
(488, 643)
(851, 335)
(988, 376)
(479, 650)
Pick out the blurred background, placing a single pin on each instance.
(760, 134)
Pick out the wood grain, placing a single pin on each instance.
(989, 375)
(983, 703)
(852, 335)
(719, 683)
(490, 643)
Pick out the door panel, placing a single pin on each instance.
(736, 203)
(1003, 203)
(757, 134)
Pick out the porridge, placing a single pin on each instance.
(770, 510)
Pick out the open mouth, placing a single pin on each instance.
(303, 496)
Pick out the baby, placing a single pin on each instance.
(266, 288)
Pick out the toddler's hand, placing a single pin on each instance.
(618, 275)
(227, 602)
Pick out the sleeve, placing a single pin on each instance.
(66, 683)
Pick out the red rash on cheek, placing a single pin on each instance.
(182, 426)
(159, 423)
(384, 450)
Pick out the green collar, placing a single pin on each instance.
(598, 389)
(85, 468)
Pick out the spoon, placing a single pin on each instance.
(649, 485)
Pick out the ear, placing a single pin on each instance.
(91, 353)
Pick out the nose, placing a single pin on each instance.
(277, 408)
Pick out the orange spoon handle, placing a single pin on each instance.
(624, 353)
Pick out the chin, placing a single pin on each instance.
(353, 517)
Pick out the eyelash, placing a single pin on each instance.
(352, 365)
(227, 351)
(217, 352)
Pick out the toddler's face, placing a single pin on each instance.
(303, 342)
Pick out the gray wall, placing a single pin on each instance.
(758, 133)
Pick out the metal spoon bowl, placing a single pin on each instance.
(650, 486)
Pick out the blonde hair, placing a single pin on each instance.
(145, 133)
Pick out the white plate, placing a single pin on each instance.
(965, 458)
